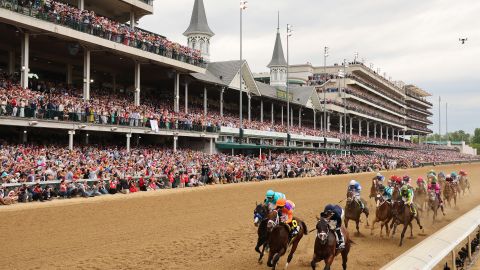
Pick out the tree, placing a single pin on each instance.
(476, 136)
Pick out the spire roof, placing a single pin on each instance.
(278, 59)
(198, 22)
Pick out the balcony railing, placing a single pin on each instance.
(175, 51)
(95, 118)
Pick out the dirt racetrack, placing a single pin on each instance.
(201, 228)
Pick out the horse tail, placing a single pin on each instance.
(305, 230)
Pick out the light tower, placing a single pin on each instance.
(198, 32)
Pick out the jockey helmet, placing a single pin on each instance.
(404, 188)
(420, 179)
(379, 175)
(462, 172)
(270, 193)
(453, 174)
(353, 182)
(281, 202)
(441, 174)
(406, 178)
(432, 172)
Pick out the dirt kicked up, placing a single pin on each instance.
(201, 228)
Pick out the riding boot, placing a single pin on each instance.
(413, 209)
(340, 239)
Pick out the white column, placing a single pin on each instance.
(359, 127)
(86, 74)
(25, 60)
(211, 146)
(175, 142)
(70, 139)
(261, 110)
(25, 136)
(81, 4)
(11, 62)
(221, 101)
(403, 135)
(132, 19)
(177, 92)
(328, 122)
(314, 120)
(128, 135)
(137, 83)
(205, 100)
(321, 122)
(282, 115)
(273, 115)
(351, 125)
(69, 74)
(86, 138)
(386, 131)
(375, 130)
(291, 117)
(249, 107)
(381, 132)
(340, 126)
(398, 135)
(300, 117)
(368, 129)
(186, 99)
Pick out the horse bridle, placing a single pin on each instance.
(271, 223)
(323, 236)
(257, 217)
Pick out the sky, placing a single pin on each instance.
(413, 41)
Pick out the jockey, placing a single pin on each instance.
(386, 192)
(407, 197)
(285, 212)
(441, 176)
(406, 181)
(334, 213)
(379, 178)
(421, 183)
(454, 177)
(271, 198)
(434, 186)
(432, 172)
(356, 188)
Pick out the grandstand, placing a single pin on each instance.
(85, 71)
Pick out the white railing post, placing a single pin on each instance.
(454, 265)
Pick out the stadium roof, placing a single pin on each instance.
(198, 22)
(417, 90)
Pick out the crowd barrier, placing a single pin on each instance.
(431, 251)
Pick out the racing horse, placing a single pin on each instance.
(279, 240)
(383, 214)
(434, 204)
(402, 214)
(450, 193)
(421, 198)
(353, 210)
(260, 221)
(374, 189)
(464, 184)
(325, 245)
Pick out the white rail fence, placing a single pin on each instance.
(431, 251)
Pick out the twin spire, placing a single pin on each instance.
(278, 58)
(198, 21)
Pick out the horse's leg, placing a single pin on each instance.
(386, 226)
(373, 226)
(346, 222)
(411, 230)
(262, 253)
(314, 261)
(292, 250)
(357, 222)
(344, 259)
(402, 235)
(329, 261)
